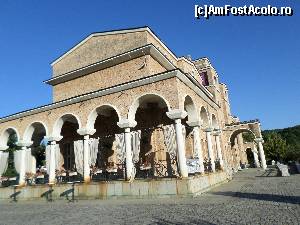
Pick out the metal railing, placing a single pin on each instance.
(115, 172)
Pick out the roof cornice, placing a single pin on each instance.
(149, 49)
(185, 78)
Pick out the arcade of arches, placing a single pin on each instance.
(124, 108)
(154, 141)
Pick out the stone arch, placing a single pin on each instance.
(214, 122)
(100, 110)
(149, 112)
(235, 133)
(34, 135)
(204, 117)
(190, 108)
(192, 117)
(144, 99)
(5, 136)
(65, 132)
(103, 124)
(37, 126)
(70, 117)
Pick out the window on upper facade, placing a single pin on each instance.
(204, 78)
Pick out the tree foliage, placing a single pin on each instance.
(248, 137)
(282, 144)
(275, 146)
(12, 144)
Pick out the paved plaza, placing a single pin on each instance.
(252, 197)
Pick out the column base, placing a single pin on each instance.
(22, 184)
(87, 180)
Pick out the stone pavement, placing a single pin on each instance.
(252, 197)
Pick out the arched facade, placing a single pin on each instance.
(144, 99)
(149, 112)
(192, 116)
(100, 110)
(5, 136)
(35, 129)
(58, 125)
(145, 109)
(204, 117)
(237, 146)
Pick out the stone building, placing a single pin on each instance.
(126, 88)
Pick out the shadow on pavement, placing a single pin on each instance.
(161, 221)
(270, 173)
(263, 197)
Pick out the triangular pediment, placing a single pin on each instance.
(99, 46)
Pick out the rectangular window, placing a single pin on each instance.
(204, 78)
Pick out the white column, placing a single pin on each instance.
(219, 149)
(181, 148)
(130, 170)
(128, 152)
(210, 149)
(177, 115)
(22, 167)
(52, 179)
(255, 156)
(86, 166)
(197, 143)
(86, 152)
(24, 145)
(261, 153)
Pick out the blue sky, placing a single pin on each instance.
(257, 57)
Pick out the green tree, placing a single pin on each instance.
(292, 137)
(248, 137)
(39, 153)
(12, 144)
(275, 146)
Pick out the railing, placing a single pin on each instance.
(67, 176)
(157, 169)
(207, 166)
(6, 181)
(108, 174)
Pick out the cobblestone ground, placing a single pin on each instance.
(252, 197)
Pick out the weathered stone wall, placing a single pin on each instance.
(188, 67)
(183, 91)
(99, 48)
(102, 47)
(153, 40)
(121, 73)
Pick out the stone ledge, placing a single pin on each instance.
(160, 188)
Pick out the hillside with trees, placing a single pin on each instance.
(282, 144)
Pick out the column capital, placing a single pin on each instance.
(3, 148)
(217, 132)
(127, 123)
(194, 123)
(208, 129)
(257, 140)
(23, 143)
(51, 139)
(84, 131)
(176, 114)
